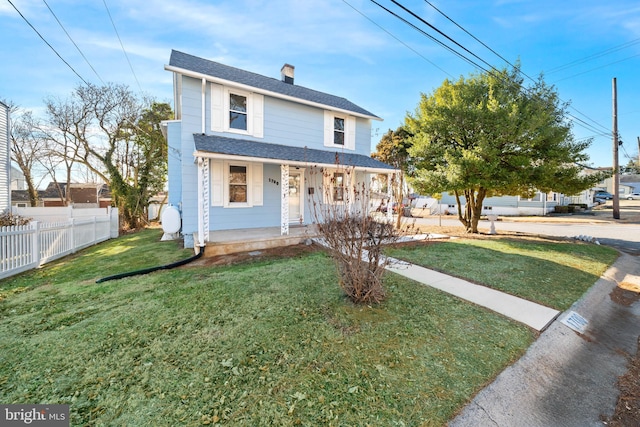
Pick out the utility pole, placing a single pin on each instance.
(638, 153)
(616, 175)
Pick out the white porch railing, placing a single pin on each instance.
(29, 246)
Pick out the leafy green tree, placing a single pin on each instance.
(488, 135)
(393, 149)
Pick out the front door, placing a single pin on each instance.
(296, 197)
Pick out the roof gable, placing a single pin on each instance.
(216, 70)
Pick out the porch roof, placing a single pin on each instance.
(220, 146)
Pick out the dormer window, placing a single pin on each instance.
(237, 111)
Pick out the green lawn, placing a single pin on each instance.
(257, 344)
(552, 273)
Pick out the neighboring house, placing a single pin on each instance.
(242, 146)
(5, 159)
(539, 204)
(18, 181)
(20, 198)
(82, 195)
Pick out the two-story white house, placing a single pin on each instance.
(242, 146)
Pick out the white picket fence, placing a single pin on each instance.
(29, 246)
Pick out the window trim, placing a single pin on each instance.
(227, 111)
(350, 125)
(227, 185)
(335, 186)
(342, 131)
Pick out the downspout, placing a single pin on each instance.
(152, 269)
(203, 106)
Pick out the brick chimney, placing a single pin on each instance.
(287, 73)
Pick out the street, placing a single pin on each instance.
(624, 236)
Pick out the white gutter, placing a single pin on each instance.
(209, 155)
(265, 92)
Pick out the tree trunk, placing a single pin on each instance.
(463, 218)
(472, 209)
(399, 199)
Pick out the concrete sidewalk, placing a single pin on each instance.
(567, 378)
(530, 313)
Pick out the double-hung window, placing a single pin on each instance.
(237, 111)
(338, 131)
(238, 187)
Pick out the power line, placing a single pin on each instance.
(409, 11)
(493, 69)
(474, 37)
(121, 45)
(72, 41)
(449, 48)
(397, 39)
(593, 56)
(47, 43)
(518, 69)
(597, 68)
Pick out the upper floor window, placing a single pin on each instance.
(338, 131)
(237, 111)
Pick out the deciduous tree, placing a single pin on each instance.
(115, 134)
(489, 135)
(393, 149)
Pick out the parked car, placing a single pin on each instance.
(603, 195)
(632, 196)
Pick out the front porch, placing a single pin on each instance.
(226, 242)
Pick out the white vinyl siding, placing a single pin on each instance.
(5, 160)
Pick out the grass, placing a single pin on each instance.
(552, 273)
(255, 344)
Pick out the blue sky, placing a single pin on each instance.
(350, 48)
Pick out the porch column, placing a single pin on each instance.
(390, 196)
(284, 200)
(203, 201)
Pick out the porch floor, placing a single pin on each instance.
(254, 239)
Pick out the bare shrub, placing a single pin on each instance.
(353, 233)
(7, 219)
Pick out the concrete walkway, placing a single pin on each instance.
(568, 377)
(530, 313)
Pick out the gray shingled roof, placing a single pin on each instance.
(241, 147)
(215, 69)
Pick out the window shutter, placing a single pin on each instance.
(217, 183)
(350, 131)
(258, 115)
(256, 184)
(328, 128)
(217, 108)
